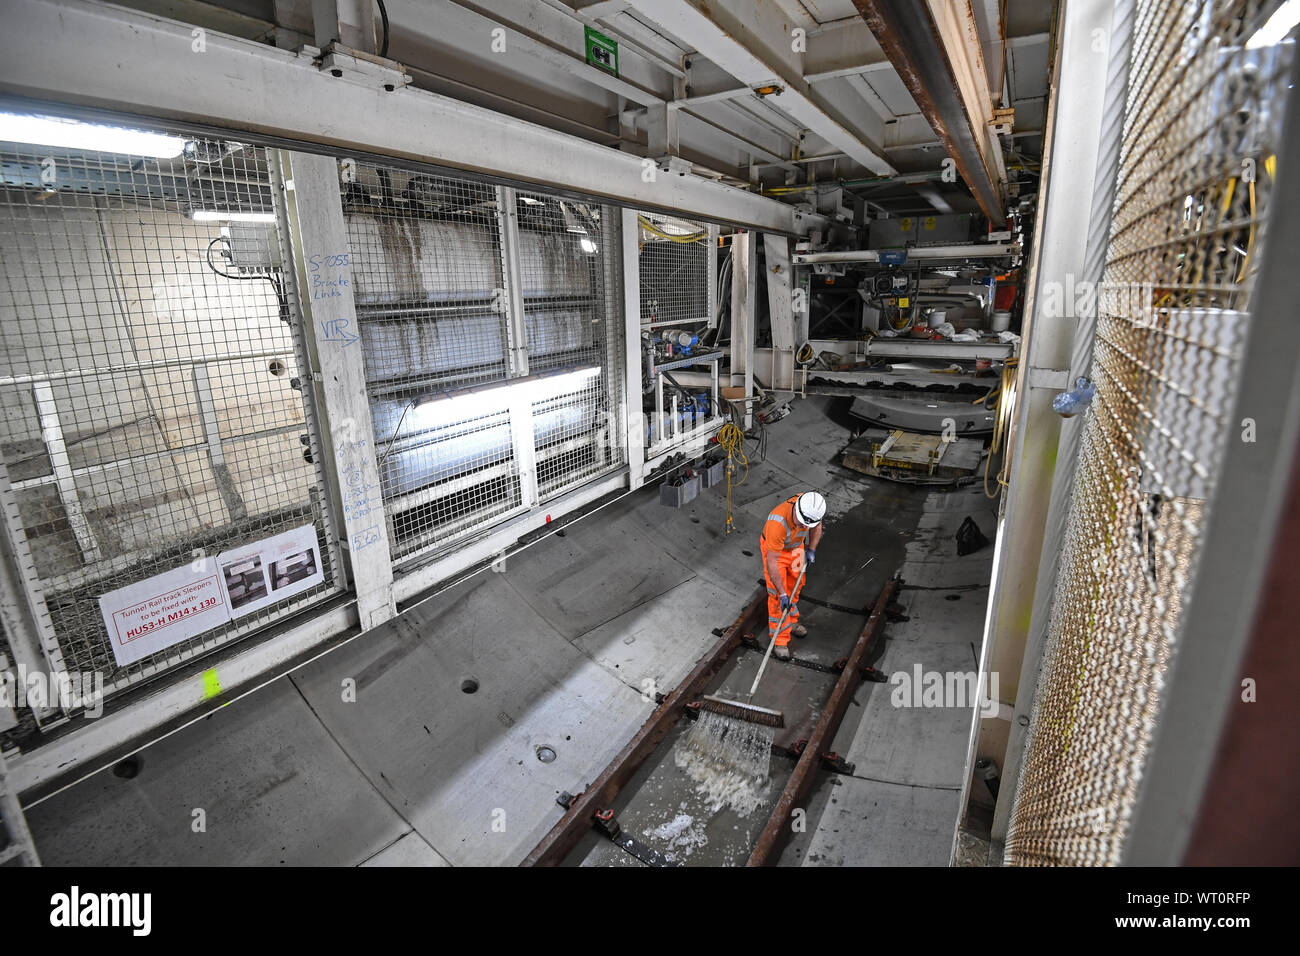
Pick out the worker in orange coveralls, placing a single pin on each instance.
(790, 538)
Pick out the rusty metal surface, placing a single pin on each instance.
(562, 838)
(768, 848)
(908, 36)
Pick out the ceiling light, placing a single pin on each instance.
(216, 215)
(71, 134)
(440, 409)
(1281, 23)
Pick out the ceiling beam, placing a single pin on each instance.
(910, 36)
(732, 47)
(90, 59)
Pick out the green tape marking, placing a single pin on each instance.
(211, 683)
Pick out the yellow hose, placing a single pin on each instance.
(689, 237)
(1006, 392)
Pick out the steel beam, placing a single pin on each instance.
(93, 57)
(577, 820)
(709, 29)
(911, 38)
(991, 250)
(781, 315)
(768, 848)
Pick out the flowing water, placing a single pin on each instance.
(729, 760)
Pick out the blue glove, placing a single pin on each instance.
(785, 602)
(810, 555)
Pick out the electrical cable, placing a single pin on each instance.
(1006, 392)
(227, 275)
(648, 226)
(730, 438)
(383, 16)
(281, 297)
(396, 432)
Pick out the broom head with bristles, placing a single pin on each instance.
(738, 711)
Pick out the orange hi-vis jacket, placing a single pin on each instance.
(785, 536)
(782, 532)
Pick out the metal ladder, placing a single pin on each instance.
(17, 848)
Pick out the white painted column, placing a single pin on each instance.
(776, 251)
(323, 278)
(635, 430)
(744, 324)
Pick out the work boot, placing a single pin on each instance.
(781, 652)
(799, 631)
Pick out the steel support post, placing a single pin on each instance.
(635, 429)
(776, 250)
(22, 600)
(744, 321)
(322, 275)
(1010, 648)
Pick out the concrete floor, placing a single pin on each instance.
(564, 646)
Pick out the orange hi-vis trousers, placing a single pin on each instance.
(789, 563)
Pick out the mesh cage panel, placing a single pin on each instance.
(150, 357)
(1192, 197)
(568, 260)
(674, 271)
(431, 305)
(674, 262)
(481, 333)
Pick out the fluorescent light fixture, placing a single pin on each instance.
(587, 245)
(216, 215)
(1282, 22)
(436, 411)
(71, 134)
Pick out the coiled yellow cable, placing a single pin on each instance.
(1006, 392)
(732, 440)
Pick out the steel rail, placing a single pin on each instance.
(770, 842)
(580, 815)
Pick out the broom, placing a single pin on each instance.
(744, 710)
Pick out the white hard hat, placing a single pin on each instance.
(810, 508)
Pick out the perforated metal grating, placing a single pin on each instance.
(149, 363)
(1190, 219)
(492, 340)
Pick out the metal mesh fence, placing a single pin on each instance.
(674, 272)
(568, 260)
(432, 309)
(150, 358)
(676, 265)
(492, 344)
(1190, 219)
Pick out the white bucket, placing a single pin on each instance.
(1001, 321)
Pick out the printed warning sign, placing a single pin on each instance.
(145, 617)
(150, 615)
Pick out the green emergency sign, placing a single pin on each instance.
(602, 52)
